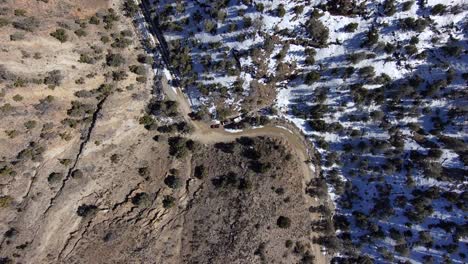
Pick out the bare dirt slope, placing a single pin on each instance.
(234, 216)
(70, 135)
(224, 206)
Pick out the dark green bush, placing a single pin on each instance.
(438, 10)
(410, 23)
(77, 174)
(367, 72)
(60, 34)
(351, 27)
(210, 26)
(168, 107)
(110, 18)
(79, 109)
(372, 37)
(225, 147)
(311, 77)
(260, 167)
(406, 6)
(411, 49)
(114, 60)
(143, 58)
(225, 181)
(85, 210)
(280, 10)
(172, 181)
(95, 20)
(356, 57)
(259, 7)
(199, 172)
(168, 201)
(86, 58)
(54, 78)
(343, 7)
(119, 75)
(30, 124)
(146, 121)
(141, 199)
(141, 79)
(299, 9)
(318, 125)
(121, 42)
(389, 7)
(283, 222)
(317, 31)
(130, 8)
(81, 32)
(402, 249)
(178, 146)
(138, 69)
(414, 40)
(54, 177)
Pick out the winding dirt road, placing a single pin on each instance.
(204, 134)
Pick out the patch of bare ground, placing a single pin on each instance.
(249, 207)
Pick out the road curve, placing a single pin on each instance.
(204, 134)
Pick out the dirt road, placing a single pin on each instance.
(204, 134)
